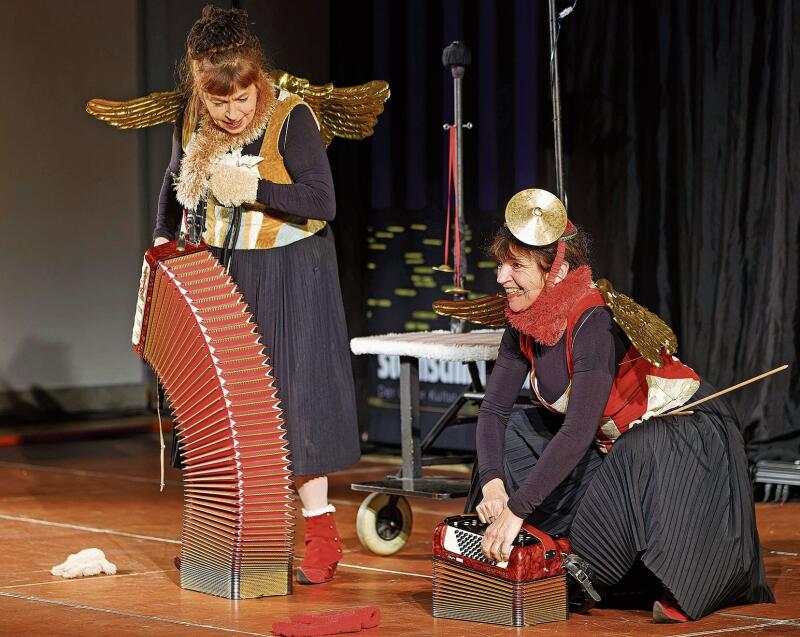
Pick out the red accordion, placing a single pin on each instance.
(528, 589)
(192, 326)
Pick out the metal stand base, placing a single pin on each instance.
(431, 487)
(781, 476)
(409, 481)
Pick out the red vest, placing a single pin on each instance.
(640, 390)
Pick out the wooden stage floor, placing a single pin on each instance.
(60, 498)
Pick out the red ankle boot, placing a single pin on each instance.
(323, 550)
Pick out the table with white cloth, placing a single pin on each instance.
(467, 348)
(384, 519)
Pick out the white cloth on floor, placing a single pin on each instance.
(84, 563)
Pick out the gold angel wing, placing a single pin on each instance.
(350, 112)
(647, 331)
(486, 310)
(140, 112)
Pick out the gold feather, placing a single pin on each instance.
(140, 112)
(350, 112)
(647, 331)
(485, 310)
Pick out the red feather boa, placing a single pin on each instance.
(546, 319)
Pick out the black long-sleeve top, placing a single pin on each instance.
(598, 347)
(311, 194)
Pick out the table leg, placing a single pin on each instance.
(409, 417)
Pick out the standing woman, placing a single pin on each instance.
(244, 144)
(669, 494)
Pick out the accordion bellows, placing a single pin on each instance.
(192, 326)
(529, 589)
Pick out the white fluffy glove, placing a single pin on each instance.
(83, 563)
(234, 179)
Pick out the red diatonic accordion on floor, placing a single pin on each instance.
(528, 589)
(192, 326)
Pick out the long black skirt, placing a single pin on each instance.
(528, 433)
(293, 292)
(673, 495)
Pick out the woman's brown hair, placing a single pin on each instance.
(221, 57)
(504, 246)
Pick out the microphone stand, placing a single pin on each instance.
(457, 57)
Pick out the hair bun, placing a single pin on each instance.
(219, 29)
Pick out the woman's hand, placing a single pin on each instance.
(494, 501)
(233, 185)
(497, 540)
(160, 241)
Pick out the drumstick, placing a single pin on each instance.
(683, 408)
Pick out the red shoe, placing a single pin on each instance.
(323, 550)
(667, 611)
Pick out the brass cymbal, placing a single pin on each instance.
(456, 290)
(443, 268)
(536, 217)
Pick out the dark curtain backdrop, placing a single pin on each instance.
(679, 117)
(391, 189)
(680, 122)
(403, 167)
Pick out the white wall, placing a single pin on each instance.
(77, 197)
(70, 192)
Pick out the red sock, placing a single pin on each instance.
(333, 627)
(350, 620)
(368, 616)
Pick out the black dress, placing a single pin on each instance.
(293, 291)
(673, 494)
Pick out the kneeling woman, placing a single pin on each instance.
(671, 494)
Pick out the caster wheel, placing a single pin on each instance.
(384, 523)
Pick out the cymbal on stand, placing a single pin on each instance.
(456, 290)
(443, 268)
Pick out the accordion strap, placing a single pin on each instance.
(548, 544)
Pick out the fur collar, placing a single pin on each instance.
(210, 143)
(546, 319)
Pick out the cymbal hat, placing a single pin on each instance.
(537, 217)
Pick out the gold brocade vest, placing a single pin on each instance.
(261, 227)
